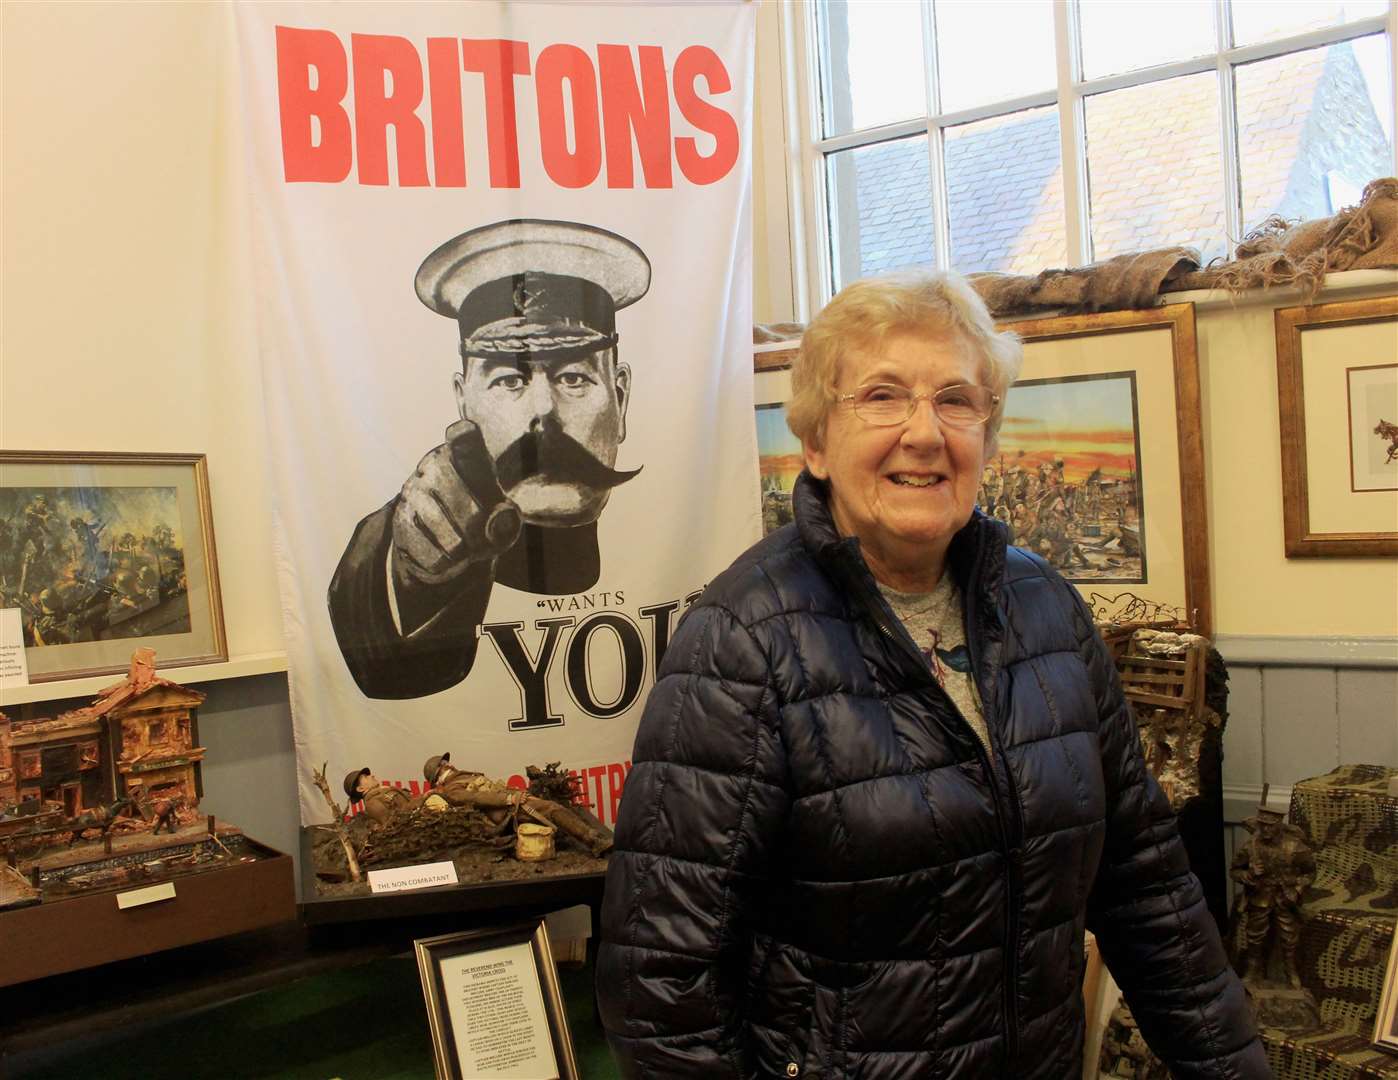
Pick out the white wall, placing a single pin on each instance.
(125, 324)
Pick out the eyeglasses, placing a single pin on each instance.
(886, 404)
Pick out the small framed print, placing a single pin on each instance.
(1386, 1023)
(1337, 389)
(494, 1005)
(105, 552)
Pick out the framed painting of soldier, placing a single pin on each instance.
(104, 552)
(1100, 463)
(1337, 391)
(494, 1005)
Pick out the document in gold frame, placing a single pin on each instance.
(494, 1005)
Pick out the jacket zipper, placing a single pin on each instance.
(1013, 854)
(900, 638)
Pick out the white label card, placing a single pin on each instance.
(404, 878)
(149, 895)
(14, 669)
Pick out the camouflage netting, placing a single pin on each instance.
(1352, 823)
(1332, 1055)
(1277, 253)
(422, 833)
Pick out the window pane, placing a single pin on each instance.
(1005, 191)
(880, 209)
(993, 52)
(1310, 133)
(1263, 20)
(1119, 37)
(1155, 175)
(872, 64)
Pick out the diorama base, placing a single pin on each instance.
(150, 893)
(489, 881)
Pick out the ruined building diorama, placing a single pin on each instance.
(126, 765)
(105, 798)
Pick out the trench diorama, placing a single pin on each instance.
(491, 831)
(104, 853)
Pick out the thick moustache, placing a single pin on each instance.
(552, 454)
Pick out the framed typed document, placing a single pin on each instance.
(494, 1005)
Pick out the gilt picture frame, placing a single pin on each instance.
(104, 552)
(1105, 427)
(1337, 392)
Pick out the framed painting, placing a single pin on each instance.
(1100, 467)
(778, 451)
(1337, 390)
(494, 1005)
(105, 552)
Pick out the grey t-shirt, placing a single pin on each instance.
(936, 622)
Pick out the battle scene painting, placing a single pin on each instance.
(779, 462)
(1066, 478)
(93, 563)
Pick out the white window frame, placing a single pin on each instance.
(806, 149)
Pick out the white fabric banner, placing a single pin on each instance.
(503, 259)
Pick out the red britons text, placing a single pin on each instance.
(599, 111)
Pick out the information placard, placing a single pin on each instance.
(494, 1005)
(406, 878)
(14, 670)
(497, 1012)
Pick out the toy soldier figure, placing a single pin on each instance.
(491, 796)
(381, 802)
(1273, 870)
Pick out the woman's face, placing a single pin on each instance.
(903, 490)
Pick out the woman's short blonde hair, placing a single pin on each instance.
(865, 314)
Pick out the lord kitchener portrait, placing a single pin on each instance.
(513, 494)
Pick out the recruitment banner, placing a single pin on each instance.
(503, 277)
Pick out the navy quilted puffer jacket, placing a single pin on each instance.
(819, 871)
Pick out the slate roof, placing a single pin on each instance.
(1154, 171)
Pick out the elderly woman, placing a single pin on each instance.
(887, 776)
